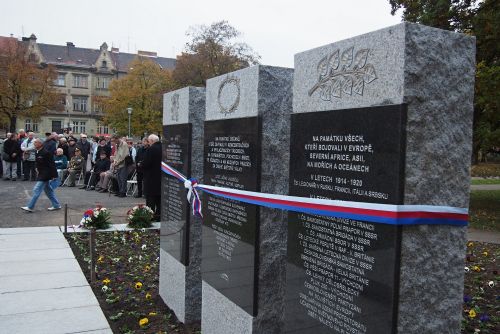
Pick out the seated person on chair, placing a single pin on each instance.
(102, 164)
(76, 165)
(61, 162)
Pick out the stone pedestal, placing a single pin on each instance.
(384, 117)
(246, 147)
(180, 241)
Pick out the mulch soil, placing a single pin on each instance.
(127, 279)
(481, 307)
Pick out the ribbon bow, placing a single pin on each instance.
(192, 196)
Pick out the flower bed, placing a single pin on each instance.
(481, 308)
(128, 269)
(127, 281)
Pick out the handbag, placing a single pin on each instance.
(5, 156)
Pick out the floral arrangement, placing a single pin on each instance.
(97, 218)
(140, 216)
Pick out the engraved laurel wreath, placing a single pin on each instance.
(342, 73)
(175, 107)
(229, 81)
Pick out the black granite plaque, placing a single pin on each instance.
(342, 274)
(175, 210)
(230, 228)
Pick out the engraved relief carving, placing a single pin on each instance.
(342, 73)
(174, 111)
(229, 95)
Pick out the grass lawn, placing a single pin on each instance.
(485, 210)
(485, 181)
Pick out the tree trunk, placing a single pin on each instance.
(13, 121)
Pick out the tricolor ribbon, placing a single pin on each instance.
(371, 212)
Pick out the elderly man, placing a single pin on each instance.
(28, 148)
(46, 173)
(151, 167)
(121, 153)
(75, 166)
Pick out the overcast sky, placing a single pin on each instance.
(275, 29)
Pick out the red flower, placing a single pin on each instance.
(89, 212)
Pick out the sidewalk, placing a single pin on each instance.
(42, 288)
(485, 187)
(490, 237)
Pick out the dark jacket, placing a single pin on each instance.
(50, 145)
(84, 147)
(102, 165)
(106, 149)
(71, 151)
(65, 149)
(61, 161)
(139, 158)
(10, 147)
(45, 165)
(151, 167)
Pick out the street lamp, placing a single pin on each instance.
(129, 110)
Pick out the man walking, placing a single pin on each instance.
(46, 173)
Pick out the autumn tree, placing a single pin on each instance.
(141, 89)
(213, 50)
(25, 85)
(478, 18)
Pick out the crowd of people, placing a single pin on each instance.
(104, 164)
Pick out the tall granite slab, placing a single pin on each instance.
(384, 117)
(246, 147)
(180, 240)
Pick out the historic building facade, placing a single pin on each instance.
(82, 76)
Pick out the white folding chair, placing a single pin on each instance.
(132, 185)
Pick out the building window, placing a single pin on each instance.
(80, 81)
(79, 127)
(102, 83)
(104, 64)
(57, 126)
(61, 79)
(102, 129)
(80, 103)
(31, 125)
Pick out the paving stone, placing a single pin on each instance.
(8, 245)
(32, 255)
(10, 284)
(30, 230)
(74, 320)
(38, 267)
(46, 300)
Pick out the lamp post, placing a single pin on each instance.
(129, 110)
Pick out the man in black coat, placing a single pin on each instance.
(46, 180)
(151, 168)
(84, 145)
(50, 143)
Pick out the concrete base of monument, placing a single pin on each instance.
(219, 315)
(173, 284)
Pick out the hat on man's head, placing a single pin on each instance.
(48, 134)
(71, 139)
